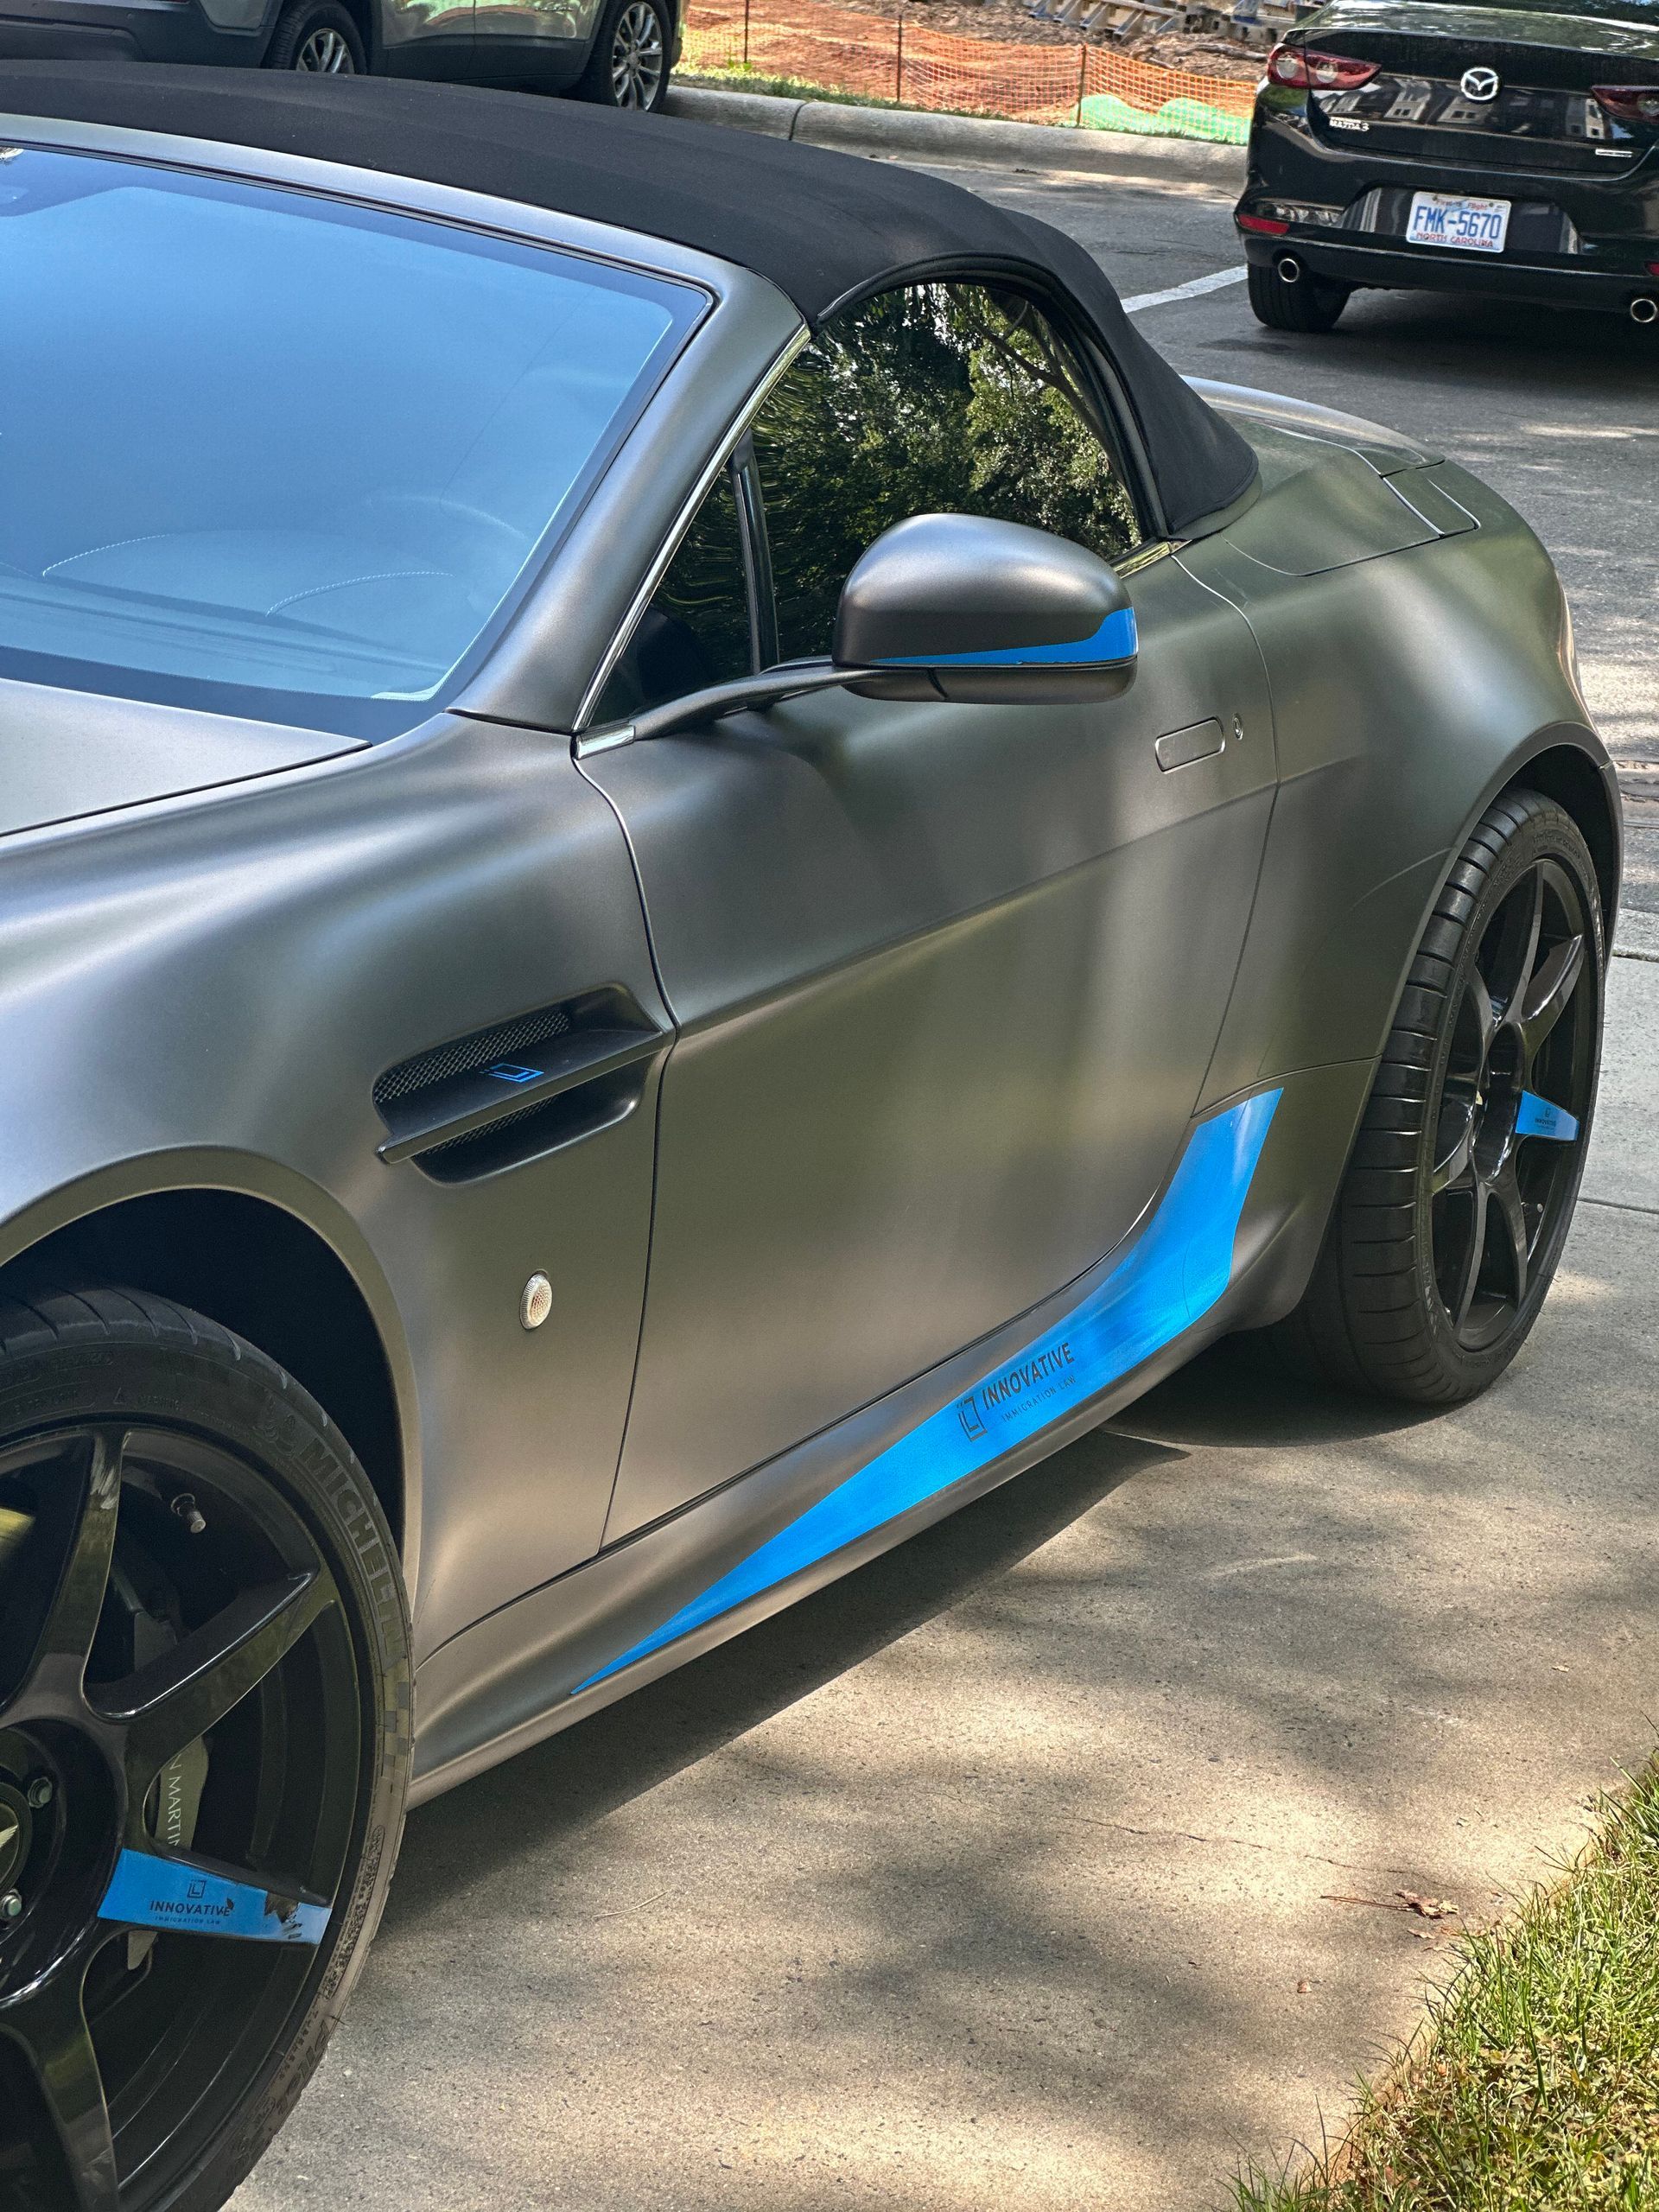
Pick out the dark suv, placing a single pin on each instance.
(616, 52)
(1402, 144)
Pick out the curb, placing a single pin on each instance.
(1637, 935)
(910, 134)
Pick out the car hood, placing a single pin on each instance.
(65, 754)
(1605, 28)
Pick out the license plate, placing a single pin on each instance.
(1448, 218)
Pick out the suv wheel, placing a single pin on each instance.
(204, 1746)
(319, 37)
(629, 64)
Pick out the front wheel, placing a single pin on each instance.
(318, 38)
(1310, 304)
(203, 1748)
(1458, 1200)
(629, 64)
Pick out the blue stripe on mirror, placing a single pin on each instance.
(1116, 639)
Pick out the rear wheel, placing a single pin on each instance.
(318, 38)
(628, 67)
(204, 1745)
(1458, 1200)
(1309, 304)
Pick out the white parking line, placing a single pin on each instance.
(1184, 291)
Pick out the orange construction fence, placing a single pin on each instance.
(888, 58)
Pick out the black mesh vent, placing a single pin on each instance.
(479, 1050)
(475, 1139)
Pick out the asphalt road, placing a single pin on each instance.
(1559, 412)
(1066, 1856)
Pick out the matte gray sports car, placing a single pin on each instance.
(793, 873)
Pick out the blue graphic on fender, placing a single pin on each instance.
(1170, 1277)
(149, 1892)
(1116, 639)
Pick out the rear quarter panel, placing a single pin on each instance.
(1408, 689)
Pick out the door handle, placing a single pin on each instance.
(1178, 748)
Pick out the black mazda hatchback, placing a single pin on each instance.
(1505, 148)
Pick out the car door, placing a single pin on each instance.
(541, 42)
(427, 38)
(948, 977)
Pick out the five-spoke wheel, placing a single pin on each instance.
(200, 1778)
(1460, 1189)
(1515, 1095)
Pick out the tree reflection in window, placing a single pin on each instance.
(937, 399)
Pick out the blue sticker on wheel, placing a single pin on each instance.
(1538, 1118)
(149, 1892)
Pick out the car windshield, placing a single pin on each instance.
(280, 456)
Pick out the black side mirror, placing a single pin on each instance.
(959, 606)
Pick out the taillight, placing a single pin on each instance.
(1269, 225)
(1324, 72)
(1629, 103)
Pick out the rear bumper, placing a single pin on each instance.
(1422, 268)
(137, 30)
(1606, 231)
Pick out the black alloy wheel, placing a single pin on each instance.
(1309, 305)
(629, 65)
(204, 1745)
(1461, 1187)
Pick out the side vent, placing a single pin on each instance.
(511, 1093)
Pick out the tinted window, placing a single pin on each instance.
(696, 631)
(942, 398)
(270, 453)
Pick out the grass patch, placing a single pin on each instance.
(1533, 2085)
(738, 79)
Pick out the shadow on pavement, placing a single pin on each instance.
(1241, 1391)
(575, 1779)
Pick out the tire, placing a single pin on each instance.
(629, 64)
(199, 1497)
(1457, 1198)
(1308, 305)
(318, 36)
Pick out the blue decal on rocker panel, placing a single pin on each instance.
(1538, 1118)
(1170, 1277)
(1114, 641)
(148, 1891)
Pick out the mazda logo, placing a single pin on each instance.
(1480, 84)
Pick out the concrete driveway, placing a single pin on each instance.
(1068, 1853)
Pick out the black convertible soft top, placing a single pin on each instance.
(823, 227)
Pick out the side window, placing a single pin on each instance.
(696, 629)
(939, 398)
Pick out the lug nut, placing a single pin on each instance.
(40, 1793)
(11, 1904)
